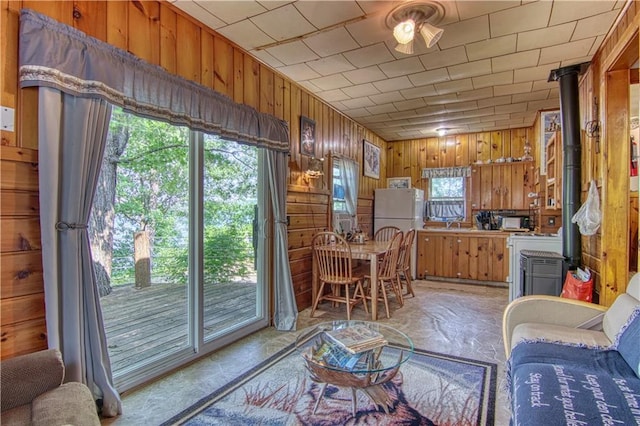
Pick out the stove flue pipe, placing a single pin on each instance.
(571, 158)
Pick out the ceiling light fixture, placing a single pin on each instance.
(415, 17)
(442, 131)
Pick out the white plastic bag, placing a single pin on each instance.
(588, 216)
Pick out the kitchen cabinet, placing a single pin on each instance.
(465, 254)
(501, 186)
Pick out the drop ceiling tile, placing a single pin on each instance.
(454, 86)
(575, 61)
(379, 109)
(575, 49)
(545, 37)
(370, 31)
(292, 53)
(246, 35)
(385, 98)
(330, 82)
(472, 9)
(565, 11)
(543, 84)
(273, 4)
(470, 69)
(412, 104)
(534, 73)
(401, 115)
(402, 67)
(510, 122)
(358, 103)
(444, 58)
(419, 92)
(461, 106)
(233, 11)
(526, 116)
(511, 89)
(432, 110)
(361, 90)
(197, 11)
(331, 65)
(393, 84)
(299, 72)
(595, 25)
(339, 106)
(442, 99)
(370, 55)
(495, 101)
(527, 17)
(328, 43)
(309, 86)
(496, 118)
(533, 96)
(430, 77)
(333, 95)
(267, 58)
(505, 109)
(540, 105)
(364, 75)
(554, 93)
(493, 47)
(323, 14)
(359, 112)
(283, 23)
(468, 31)
(505, 77)
(476, 94)
(515, 61)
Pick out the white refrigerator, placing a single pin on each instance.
(402, 208)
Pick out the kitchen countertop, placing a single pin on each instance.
(471, 231)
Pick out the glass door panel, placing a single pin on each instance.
(231, 292)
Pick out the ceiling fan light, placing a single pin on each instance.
(404, 31)
(431, 34)
(406, 48)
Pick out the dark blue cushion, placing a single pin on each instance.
(628, 341)
(559, 384)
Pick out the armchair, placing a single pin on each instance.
(33, 393)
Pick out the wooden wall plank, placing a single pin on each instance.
(169, 38)
(144, 30)
(118, 24)
(21, 308)
(21, 273)
(19, 234)
(251, 82)
(223, 67)
(207, 56)
(91, 18)
(238, 76)
(10, 24)
(188, 38)
(18, 203)
(23, 338)
(16, 175)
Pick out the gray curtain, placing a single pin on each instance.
(72, 134)
(286, 311)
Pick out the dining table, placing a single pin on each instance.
(370, 251)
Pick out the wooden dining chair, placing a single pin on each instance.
(404, 261)
(387, 275)
(385, 233)
(332, 256)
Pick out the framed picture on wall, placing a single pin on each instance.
(549, 124)
(307, 136)
(399, 182)
(371, 159)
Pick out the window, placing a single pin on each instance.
(344, 185)
(339, 202)
(446, 200)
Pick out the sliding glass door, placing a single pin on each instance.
(176, 232)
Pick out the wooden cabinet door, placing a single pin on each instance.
(427, 254)
(462, 257)
(481, 187)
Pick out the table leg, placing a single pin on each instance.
(373, 266)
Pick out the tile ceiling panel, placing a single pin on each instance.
(489, 70)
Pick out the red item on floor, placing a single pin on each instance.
(575, 288)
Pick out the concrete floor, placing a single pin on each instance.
(456, 319)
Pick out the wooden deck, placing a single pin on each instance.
(141, 324)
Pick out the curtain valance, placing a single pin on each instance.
(56, 55)
(445, 172)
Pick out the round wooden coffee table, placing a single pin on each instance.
(366, 371)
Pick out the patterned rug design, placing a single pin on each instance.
(430, 389)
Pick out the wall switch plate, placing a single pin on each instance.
(7, 117)
(551, 220)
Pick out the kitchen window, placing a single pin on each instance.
(447, 193)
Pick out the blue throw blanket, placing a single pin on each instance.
(555, 384)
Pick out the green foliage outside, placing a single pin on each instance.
(152, 194)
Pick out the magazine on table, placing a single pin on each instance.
(329, 353)
(356, 339)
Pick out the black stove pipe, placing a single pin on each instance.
(571, 158)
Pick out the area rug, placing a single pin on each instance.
(430, 389)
